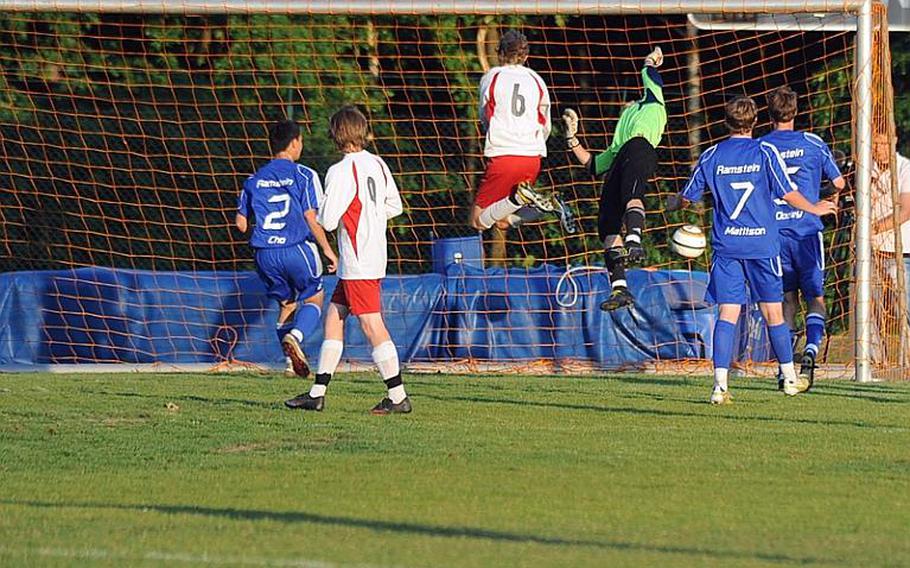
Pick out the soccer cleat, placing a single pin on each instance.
(720, 396)
(289, 368)
(292, 349)
(619, 298)
(306, 402)
(793, 387)
(566, 216)
(634, 251)
(386, 406)
(527, 195)
(655, 58)
(807, 368)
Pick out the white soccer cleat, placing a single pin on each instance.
(795, 385)
(655, 58)
(720, 396)
(527, 195)
(289, 368)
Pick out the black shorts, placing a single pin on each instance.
(627, 179)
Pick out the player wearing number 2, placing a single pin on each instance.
(284, 197)
(515, 112)
(802, 251)
(744, 176)
(361, 196)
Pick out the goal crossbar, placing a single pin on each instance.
(622, 7)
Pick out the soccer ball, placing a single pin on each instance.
(688, 241)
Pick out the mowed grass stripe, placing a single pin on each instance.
(488, 471)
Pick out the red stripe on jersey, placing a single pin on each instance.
(351, 217)
(540, 117)
(491, 98)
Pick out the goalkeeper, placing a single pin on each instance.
(629, 164)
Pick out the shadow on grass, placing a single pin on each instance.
(418, 529)
(718, 413)
(187, 398)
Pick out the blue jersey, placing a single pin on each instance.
(745, 176)
(278, 195)
(808, 160)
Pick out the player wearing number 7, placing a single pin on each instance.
(744, 176)
(285, 197)
(361, 197)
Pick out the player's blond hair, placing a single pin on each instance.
(513, 48)
(782, 104)
(742, 112)
(349, 128)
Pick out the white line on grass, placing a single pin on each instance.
(155, 555)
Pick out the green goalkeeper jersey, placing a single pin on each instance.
(646, 118)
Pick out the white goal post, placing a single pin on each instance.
(863, 71)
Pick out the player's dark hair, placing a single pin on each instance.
(513, 48)
(782, 104)
(349, 128)
(742, 112)
(281, 134)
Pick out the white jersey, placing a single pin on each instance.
(883, 205)
(360, 197)
(515, 109)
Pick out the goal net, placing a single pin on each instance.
(125, 138)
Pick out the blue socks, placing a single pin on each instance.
(306, 320)
(780, 343)
(723, 343)
(815, 330)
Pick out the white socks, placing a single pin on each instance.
(329, 357)
(499, 210)
(720, 379)
(385, 355)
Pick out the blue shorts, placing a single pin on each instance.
(803, 262)
(729, 277)
(290, 273)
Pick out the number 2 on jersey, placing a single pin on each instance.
(748, 188)
(271, 221)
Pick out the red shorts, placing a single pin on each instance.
(503, 174)
(360, 296)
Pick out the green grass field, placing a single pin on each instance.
(487, 471)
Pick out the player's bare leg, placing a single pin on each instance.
(329, 357)
(385, 355)
(724, 340)
(779, 334)
(282, 327)
(615, 261)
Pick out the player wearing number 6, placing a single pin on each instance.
(284, 197)
(802, 250)
(515, 113)
(744, 176)
(361, 196)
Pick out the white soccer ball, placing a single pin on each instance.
(688, 241)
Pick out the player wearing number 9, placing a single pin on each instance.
(744, 176)
(284, 197)
(361, 197)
